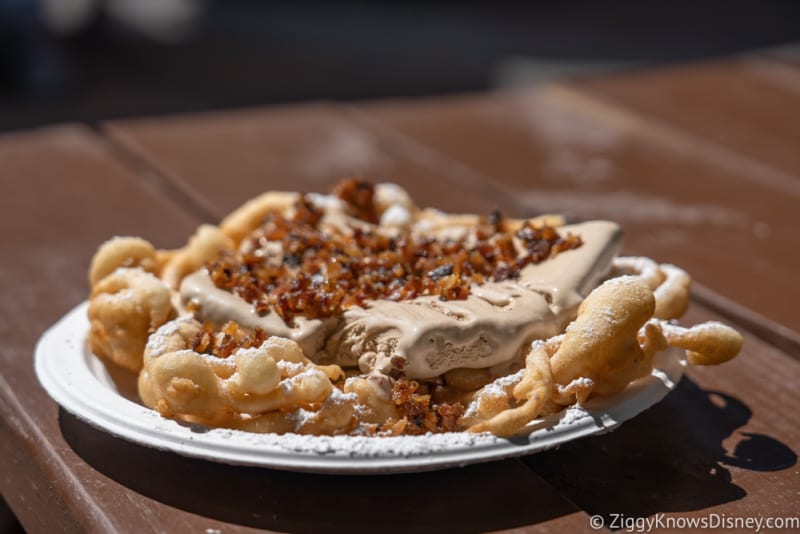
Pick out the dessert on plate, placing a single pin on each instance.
(358, 312)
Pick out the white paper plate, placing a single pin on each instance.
(106, 398)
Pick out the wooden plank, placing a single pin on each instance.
(223, 159)
(749, 106)
(293, 502)
(558, 150)
(68, 196)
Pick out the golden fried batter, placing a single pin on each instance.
(124, 309)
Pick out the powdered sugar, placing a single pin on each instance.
(295, 381)
(301, 417)
(499, 386)
(290, 368)
(359, 446)
(228, 363)
(581, 382)
(495, 389)
(366, 447)
(158, 342)
(571, 415)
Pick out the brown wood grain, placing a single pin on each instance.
(748, 107)
(223, 159)
(68, 196)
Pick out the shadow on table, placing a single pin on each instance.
(671, 458)
(479, 498)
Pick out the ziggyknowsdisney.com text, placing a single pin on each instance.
(710, 521)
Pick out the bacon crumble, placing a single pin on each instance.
(226, 340)
(323, 271)
(418, 414)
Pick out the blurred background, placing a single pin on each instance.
(88, 60)
(91, 60)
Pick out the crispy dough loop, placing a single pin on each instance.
(467, 379)
(670, 284)
(374, 394)
(203, 246)
(490, 400)
(645, 268)
(122, 252)
(307, 387)
(240, 390)
(533, 390)
(709, 343)
(335, 416)
(181, 384)
(601, 344)
(672, 296)
(124, 308)
(250, 215)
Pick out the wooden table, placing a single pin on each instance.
(700, 163)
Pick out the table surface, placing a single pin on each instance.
(700, 163)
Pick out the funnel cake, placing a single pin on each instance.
(358, 312)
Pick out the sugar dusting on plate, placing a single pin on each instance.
(357, 446)
(376, 447)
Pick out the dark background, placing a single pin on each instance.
(241, 53)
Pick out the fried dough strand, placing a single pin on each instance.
(534, 389)
(709, 343)
(204, 245)
(257, 387)
(249, 215)
(125, 307)
(122, 251)
(601, 344)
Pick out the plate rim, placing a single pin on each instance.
(61, 362)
